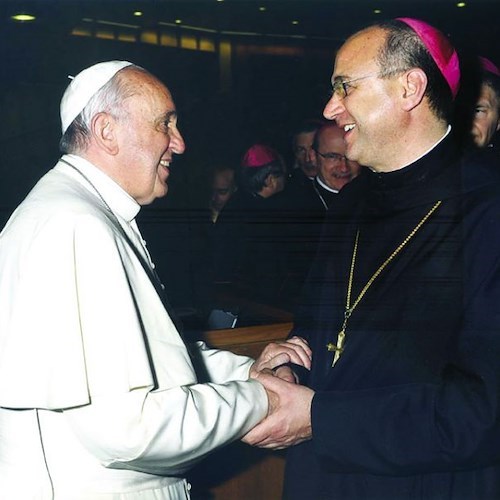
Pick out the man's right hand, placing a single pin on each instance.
(289, 416)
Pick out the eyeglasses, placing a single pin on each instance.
(332, 156)
(340, 88)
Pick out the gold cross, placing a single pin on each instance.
(337, 348)
(349, 307)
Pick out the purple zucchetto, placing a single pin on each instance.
(440, 49)
(259, 155)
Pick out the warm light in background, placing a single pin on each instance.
(461, 4)
(295, 22)
(138, 13)
(377, 11)
(178, 21)
(23, 17)
(262, 9)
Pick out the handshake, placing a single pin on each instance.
(288, 421)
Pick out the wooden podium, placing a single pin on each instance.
(239, 471)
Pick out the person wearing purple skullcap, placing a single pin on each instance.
(99, 397)
(486, 119)
(401, 306)
(262, 171)
(245, 250)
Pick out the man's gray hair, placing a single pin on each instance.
(109, 99)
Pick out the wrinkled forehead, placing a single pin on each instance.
(145, 88)
(150, 97)
(359, 54)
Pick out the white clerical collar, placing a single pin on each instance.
(119, 201)
(324, 186)
(448, 130)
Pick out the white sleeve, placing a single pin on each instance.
(166, 432)
(223, 366)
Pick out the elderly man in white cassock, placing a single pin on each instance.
(98, 395)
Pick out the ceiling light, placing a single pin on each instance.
(377, 11)
(461, 4)
(262, 9)
(23, 17)
(295, 22)
(178, 21)
(137, 13)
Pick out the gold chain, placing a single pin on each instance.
(339, 347)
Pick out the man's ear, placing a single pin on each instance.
(414, 84)
(103, 128)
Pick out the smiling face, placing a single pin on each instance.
(148, 137)
(335, 170)
(368, 112)
(486, 117)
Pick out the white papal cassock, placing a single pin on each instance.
(98, 395)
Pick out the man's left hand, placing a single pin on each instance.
(276, 354)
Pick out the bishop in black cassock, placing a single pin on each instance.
(410, 409)
(402, 306)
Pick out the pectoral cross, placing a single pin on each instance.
(337, 348)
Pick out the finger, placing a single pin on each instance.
(262, 368)
(279, 359)
(276, 355)
(257, 435)
(298, 354)
(303, 343)
(274, 385)
(286, 373)
(272, 445)
(269, 441)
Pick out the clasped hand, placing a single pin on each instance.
(289, 416)
(277, 354)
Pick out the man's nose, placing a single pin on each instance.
(177, 142)
(311, 155)
(333, 108)
(345, 165)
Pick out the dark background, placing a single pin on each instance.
(280, 73)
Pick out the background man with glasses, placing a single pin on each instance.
(335, 170)
(402, 312)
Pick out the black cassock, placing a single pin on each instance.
(412, 407)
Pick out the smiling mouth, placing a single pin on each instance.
(346, 175)
(349, 127)
(164, 163)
